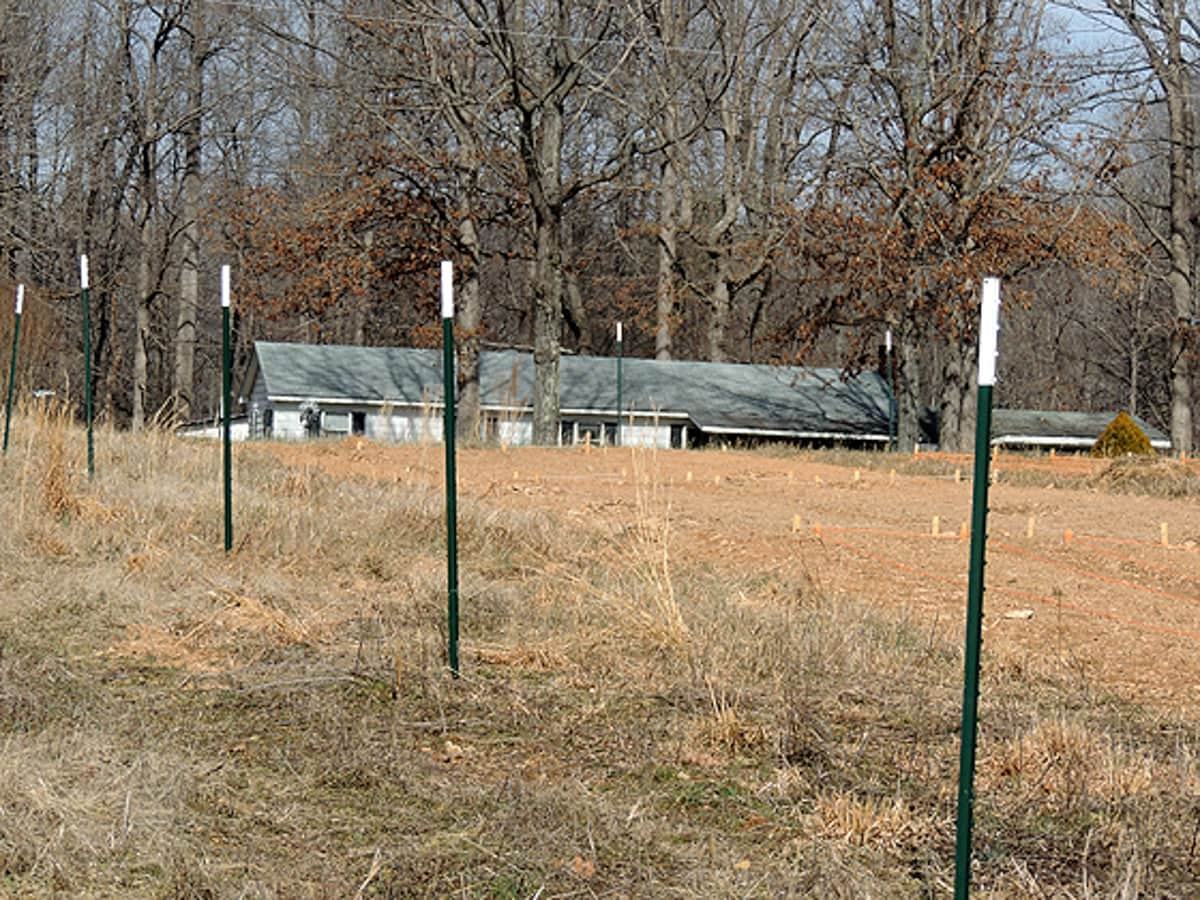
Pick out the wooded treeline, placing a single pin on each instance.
(745, 180)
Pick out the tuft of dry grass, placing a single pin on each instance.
(1148, 476)
(58, 493)
(870, 821)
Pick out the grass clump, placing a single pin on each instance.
(1149, 477)
(279, 721)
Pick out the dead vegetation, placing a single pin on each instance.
(1148, 476)
(279, 721)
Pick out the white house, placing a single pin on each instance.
(292, 391)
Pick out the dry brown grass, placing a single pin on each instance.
(1148, 476)
(280, 722)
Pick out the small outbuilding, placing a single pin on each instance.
(1036, 429)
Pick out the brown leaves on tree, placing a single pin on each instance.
(351, 252)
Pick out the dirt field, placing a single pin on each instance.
(1077, 578)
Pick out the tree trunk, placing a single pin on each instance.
(29, 157)
(189, 270)
(668, 240)
(576, 314)
(542, 141)
(1182, 251)
(719, 305)
(547, 325)
(908, 397)
(1134, 366)
(470, 320)
(145, 265)
(1181, 392)
(141, 337)
(956, 423)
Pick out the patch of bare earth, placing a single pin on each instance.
(1079, 578)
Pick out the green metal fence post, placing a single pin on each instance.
(87, 364)
(12, 372)
(891, 391)
(451, 479)
(619, 355)
(226, 408)
(988, 329)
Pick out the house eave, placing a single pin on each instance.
(1064, 441)
(342, 401)
(865, 437)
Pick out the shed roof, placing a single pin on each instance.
(1033, 427)
(719, 398)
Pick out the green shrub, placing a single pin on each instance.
(1122, 437)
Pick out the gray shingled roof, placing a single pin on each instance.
(350, 374)
(717, 397)
(1080, 428)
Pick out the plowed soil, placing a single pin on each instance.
(1077, 579)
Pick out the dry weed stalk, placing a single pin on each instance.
(655, 607)
(637, 585)
(727, 727)
(58, 496)
(868, 821)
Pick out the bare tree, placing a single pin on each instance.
(1165, 33)
(189, 268)
(558, 60)
(947, 127)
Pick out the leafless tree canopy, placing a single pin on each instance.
(744, 180)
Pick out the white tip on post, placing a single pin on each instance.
(989, 328)
(83, 272)
(225, 287)
(447, 289)
(887, 340)
(20, 297)
(618, 332)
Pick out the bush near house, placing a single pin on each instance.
(1122, 437)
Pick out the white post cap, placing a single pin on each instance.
(989, 328)
(618, 332)
(225, 287)
(887, 340)
(83, 272)
(447, 289)
(20, 297)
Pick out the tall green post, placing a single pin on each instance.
(451, 479)
(12, 371)
(87, 364)
(619, 355)
(988, 331)
(891, 366)
(226, 408)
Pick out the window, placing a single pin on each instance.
(589, 433)
(336, 423)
